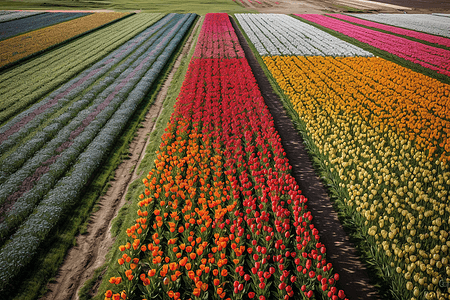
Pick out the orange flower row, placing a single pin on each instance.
(27, 44)
(382, 92)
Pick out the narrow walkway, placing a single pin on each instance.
(354, 278)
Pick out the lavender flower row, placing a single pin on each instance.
(21, 87)
(24, 243)
(22, 25)
(25, 187)
(6, 16)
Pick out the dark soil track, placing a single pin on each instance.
(354, 278)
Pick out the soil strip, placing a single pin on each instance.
(354, 279)
(92, 247)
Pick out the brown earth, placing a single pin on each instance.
(92, 247)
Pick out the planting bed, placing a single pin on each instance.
(226, 207)
(47, 180)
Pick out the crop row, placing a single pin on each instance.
(276, 34)
(21, 46)
(7, 15)
(31, 170)
(362, 117)
(435, 23)
(434, 58)
(392, 29)
(22, 25)
(223, 45)
(220, 216)
(88, 144)
(20, 88)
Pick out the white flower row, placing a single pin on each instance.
(277, 34)
(102, 133)
(15, 15)
(441, 15)
(433, 24)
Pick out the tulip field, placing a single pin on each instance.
(27, 44)
(33, 22)
(50, 151)
(219, 214)
(380, 132)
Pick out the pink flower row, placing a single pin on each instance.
(436, 59)
(406, 32)
(217, 38)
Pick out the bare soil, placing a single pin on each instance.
(91, 248)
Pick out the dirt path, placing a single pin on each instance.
(341, 252)
(92, 247)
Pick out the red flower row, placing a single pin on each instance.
(217, 38)
(220, 215)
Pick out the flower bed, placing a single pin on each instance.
(434, 24)
(275, 34)
(6, 16)
(361, 118)
(436, 59)
(86, 139)
(20, 88)
(410, 33)
(217, 39)
(34, 22)
(220, 216)
(24, 45)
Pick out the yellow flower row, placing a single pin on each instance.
(394, 192)
(381, 92)
(29, 43)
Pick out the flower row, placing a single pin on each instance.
(276, 34)
(434, 24)
(86, 144)
(25, 150)
(382, 92)
(43, 38)
(9, 15)
(394, 193)
(436, 59)
(16, 27)
(392, 29)
(220, 216)
(217, 38)
(20, 88)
